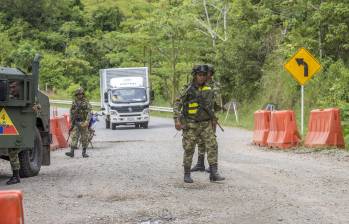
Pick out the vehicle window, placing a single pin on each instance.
(129, 95)
(16, 90)
(3, 90)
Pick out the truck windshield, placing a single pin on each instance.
(129, 95)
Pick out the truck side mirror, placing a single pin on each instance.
(152, 95)
(105, 97)
(3, 90)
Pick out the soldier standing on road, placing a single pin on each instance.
(15, 90)
(80, 114)
(194, 114)
(14, 94)
(200, 165)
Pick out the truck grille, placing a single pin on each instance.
(130, 109)
(131, 115)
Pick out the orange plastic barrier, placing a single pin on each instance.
(54, 144)
(283, 131)
(60, 131)
(261, 127)
(324, 129)
(67, 118)
(11, 207)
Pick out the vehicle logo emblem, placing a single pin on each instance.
(130, 109)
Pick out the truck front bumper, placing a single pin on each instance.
(127, 119)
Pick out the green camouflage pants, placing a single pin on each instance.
(201, 147)
(192, 134)
(79, 133)
(14, 160)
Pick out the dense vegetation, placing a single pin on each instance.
(247, 40)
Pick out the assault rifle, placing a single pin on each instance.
(74, 120)
(203, 105)
(94, 119)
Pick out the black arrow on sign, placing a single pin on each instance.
(300, 61)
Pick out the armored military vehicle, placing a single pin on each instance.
(24, 118)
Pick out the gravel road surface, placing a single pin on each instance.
(135, 176)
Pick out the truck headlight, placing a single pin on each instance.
(146, 111)
(113, 112)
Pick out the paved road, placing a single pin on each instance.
(135, 176)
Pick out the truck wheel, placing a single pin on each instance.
(137, 126)
(30, 159)
(145, 125)
(107, 124)
(113, 126)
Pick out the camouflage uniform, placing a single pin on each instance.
(217, 107)
(195, 109)
(14, 93)
(15, 165)
(80, 114)
(196, 120)
(13, 157)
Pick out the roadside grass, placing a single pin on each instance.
(161, 114)
(67, 95)
(224, 119)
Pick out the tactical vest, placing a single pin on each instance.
(197, 105)
(80, 111)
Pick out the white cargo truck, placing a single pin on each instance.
(125, 96)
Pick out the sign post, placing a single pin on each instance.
(302, 66)
(302, 110)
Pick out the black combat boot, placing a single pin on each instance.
(84, 154)
(14, 179)
(71, 153)
(187, 178)
(200, 165)
(214, 175)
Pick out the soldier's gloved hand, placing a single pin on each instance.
(36, 108)
(84, 124)
(178, 125)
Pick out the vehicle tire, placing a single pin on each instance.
(145, 125)
(113, 126)
(30, 159)
(107, 123)
(137, 125)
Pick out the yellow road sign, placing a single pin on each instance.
(302, 66)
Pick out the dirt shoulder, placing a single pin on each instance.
(135, 176)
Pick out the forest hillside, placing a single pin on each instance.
(247, 41)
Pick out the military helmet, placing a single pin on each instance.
(200, 69)
(211, 69)
(79, 91)
(193, 71)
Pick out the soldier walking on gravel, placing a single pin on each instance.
(80, 114)
(194, 114)
(200, 165)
